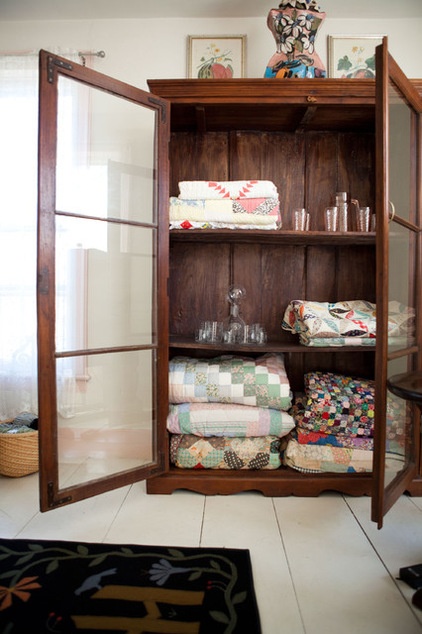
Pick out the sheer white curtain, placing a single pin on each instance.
(18, 222)
(18, 219)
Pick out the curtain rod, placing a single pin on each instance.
(17, 53)
(82, 54)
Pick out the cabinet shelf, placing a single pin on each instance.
(281, 237)
(270, 346)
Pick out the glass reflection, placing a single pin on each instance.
(108, 170)
(106, 414)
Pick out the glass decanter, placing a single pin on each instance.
(233, 325)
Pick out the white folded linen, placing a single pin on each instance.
(227, 189)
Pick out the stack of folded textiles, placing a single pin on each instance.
(252, 204)
(335, 423)
(345, 323)
(229, 412)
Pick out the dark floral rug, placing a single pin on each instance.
(58, 586)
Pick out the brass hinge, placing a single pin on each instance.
(52, 503)
(53, 61)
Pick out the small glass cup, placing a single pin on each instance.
(300, 219)
(331, 218)
(363, 218)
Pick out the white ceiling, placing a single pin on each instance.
(111, 9)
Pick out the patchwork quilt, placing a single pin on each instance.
(191, 452)
(250, 211)
(221, 419)
(260, 382)
(325, 458)
(345, 323)
(338, 404)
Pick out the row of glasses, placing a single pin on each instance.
(214, 332)
(336, 219)
(337, 216)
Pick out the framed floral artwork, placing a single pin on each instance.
(352, 56)
(216, 56)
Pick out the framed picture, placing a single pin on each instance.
(216, 56)
(352, 56)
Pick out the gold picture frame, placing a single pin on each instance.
(216, 56)
(352, 56)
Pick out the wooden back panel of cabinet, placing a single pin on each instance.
(308, 168)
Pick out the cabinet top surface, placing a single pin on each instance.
(268, 104)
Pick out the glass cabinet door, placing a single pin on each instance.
(398, 134)
(102, 282)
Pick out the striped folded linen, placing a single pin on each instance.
(228, 419)
(251, 211)
(227, 189)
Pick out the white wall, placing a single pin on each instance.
(137, 50)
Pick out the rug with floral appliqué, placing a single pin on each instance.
(60, 587)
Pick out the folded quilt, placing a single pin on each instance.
(191, 452)
(322, 459)
(338, 404)
(317, 322)
(191, 224)
(307, 437)
(221, 419)
(257, 211)
(227, 189)
(335, 342)
(325, 319)
(260, 382)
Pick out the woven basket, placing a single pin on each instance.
(18, 454)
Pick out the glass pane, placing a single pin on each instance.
(108, 169)
(400, 153)
(105, 414)
(401, 307)
(401, 285)
(399, 446)
(105, 275)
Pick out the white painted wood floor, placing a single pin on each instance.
(320, 565)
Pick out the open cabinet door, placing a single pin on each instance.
(102, 282)
(398, 175)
